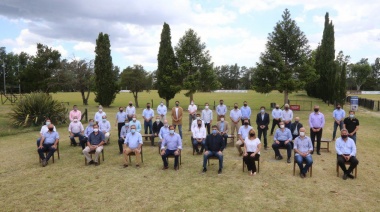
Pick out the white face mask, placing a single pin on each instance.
(75, 120)
(282, 126)
(192, 103)
(262, 111)
(166, 125)
(157, 120)
(48, 122)
(198, 118)
(162, 104)
(302, 134)
(206, 106)
(222, 119)
(96, 130)
(134, 119)
(100, 110)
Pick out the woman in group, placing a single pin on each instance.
(252, 147)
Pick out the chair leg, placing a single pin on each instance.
(103, 155)
(356, 171)
(258, 166)
(294, 168)
(311, 170)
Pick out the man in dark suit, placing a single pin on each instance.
(295, 127)
(262, 121)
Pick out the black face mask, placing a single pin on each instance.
(235, 107)
(344, 136)
(277, 107)
(296, 122)
(121, 111)
(316, 110)
(252, 134)
(338, 108)
(286, 108)
(221, 103)
(51, 129)
(130, 104)
(245, 105)
(245, 123)
(199, 125)
(148, 107)
(176, 105)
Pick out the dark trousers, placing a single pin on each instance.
(72, 138)
(288, 125)
(250, 161)
(83, 142)
(121, 142)
(225, 137)
(264, 133)
(336, 126)
(46, 147)
(288, 146)
(119, 126)
(207, 125)
(195, 145)
(147, 125)
(165, 157)
(341, 163)
(274, 123)
(319, 136)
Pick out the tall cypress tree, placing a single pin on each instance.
(106, 86)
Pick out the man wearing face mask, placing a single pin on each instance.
(148, 115)
(89, 129)
(76, 129)
(98, 115)
(282, 138)
(338, 115)
(130, 110)
(346, 151)
(352, 125)
(223, 129)
(135, 122)
(316, 123)
(287, 116)
(303, 148)
(132, 143)
(120, 119)
(105, 128)
(162, 110)
(262, 121)
(177, 113)
(207, 117)
(243, 133)
(199, 136)
(123, 134)
(49, 142)
(44, 129)
(163, 132)
(214, 146)
(95, 142)
(192, 112)
(221, 110)
(245, 113)
(156, 128)
(75, 112)
(194, 124)
(173, 144)
(295, 127)
(235, 116)
(276, 115)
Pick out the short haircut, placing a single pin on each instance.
(262, 107)
(96, 124)
(214, 126)
(351, 111)
(344, 130)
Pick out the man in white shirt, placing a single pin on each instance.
(98, 115)
(276, 115)
(44, 129)
(105, 128)
(162, 110)
(192, 112)
(221, 109)
(199, 136)
(235, 116)
(287, 116)
(194, 124)
(243, 133)
(76, 129)
(207, 117)
(130, 110)
(346, 152)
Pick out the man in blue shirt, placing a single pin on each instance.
(49, 142)
(123, 134)
(120, 118)
(303, 148)
(214, 147)
(95, 143)
(133, 143)
(338, 115)
(148, 115)
(245, 113)
(173, 144)
(282, 138)
(346, 151)
(89, 129)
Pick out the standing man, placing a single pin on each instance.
(276, 115)
(287, 116)
(262, 121)
(177, 113)
(148, 115)
(282, 138)
(235, 116)
(352, 125)
(346, 151)
(132, 143)
(302, 149)
(156, 128)
(245, 113)
(105, 128)
(135, 122)
(338, 115)
(75, 112)
(316, 123)
(49, 141)
(223, 129)
(243, 133)
(173, 144)
(207, 117)
(95, 142)
(192, 112)
(98, 115)
(162, 110)
(130, 110)
(221, 110)
(120, 119)
(199, 136)
(295, 127)
(214, 146)
(76, 129)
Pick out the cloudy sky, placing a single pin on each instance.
(235, 31)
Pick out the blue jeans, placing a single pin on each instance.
(147, 125)
(213, 153)
(299, 160)
(46, 147)
(165, 157)
(179, 129)
(353, 137)
(72, 138)
(195, 145)
(336, 126)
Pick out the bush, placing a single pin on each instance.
(34, 108)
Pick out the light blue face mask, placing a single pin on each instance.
(214, 132)
(104, 120)
(352, 116)
(126, 124)
(91, 123)
(133, 130)
(171, 131)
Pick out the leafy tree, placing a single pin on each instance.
(284, 65)
(246, 79)
(106, 86)
(136, 79)
(168, 78)
(372, 82)
(228, 76)
(9, 62)
(359, 72)
(341, 66)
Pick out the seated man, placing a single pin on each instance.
(214, 147)
(303, 147)
(133, 143)
(49, 141)
(105, 128)
(243, 133)
(123, 134)
(163, 132)
(95, 143)
(43, 130)
(223, 129)
(282, 138)
(76, 129)
(173, 144)
(194, 124)
(199, 136)
(135, 122)
(89, 129)
(295, 127)
(156, 128)
(346, 151)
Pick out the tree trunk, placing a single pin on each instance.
(358, 87)
(167, 103)
(135, 96)
(286, 95)
(88, 95)
(191, 97)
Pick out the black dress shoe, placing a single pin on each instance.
(204, 170)
(280, 157)
(344, 176)
(350, 176)
(165, 167)
(288, 160)
(318, 153)
(96, 163)
(302, 176)
(91, 162)
(220, 171)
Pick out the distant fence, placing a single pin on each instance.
(367, 103)
(231, 91)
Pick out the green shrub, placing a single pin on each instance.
(34, 108)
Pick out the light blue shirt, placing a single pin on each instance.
(104, 126)
(133, 140)
(172, 142)
(316, 120)
(276, 113)
(124, 130)
(339, 114)
(221, 125)
(245, 112)
(287, 115)
(303, 144)
(148, 113)
(137, 124)
(163, 132)
(98, 116)
(345, 147)
(162, 110)
(283, 136)
(50, 137)
(221, 109)
(235, 114)
(121, 117)
(88, 131)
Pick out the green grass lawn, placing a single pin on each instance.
(69, 185)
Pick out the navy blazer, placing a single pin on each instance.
(260, 121)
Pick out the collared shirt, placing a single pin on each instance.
(137, 124)
(251, 145)
(303, 144)
(124, 130)
(351, 124)
(283, 135)
(50, 137)
(287, 115)
(133, 140)
(172, 142)
(244, 131)
(44, 129)
(199, 132)
(245, 112)
(76, 127)
(347, 147)
(206, 115)
(121, 116)
(130, 110)
(235, 114)
(221, 126)
(192, 108)
(96, 139)
(339, 114)
(74, 113)
(99, 116)
(194, 125)
(162, 110)
(276, 113)
(316, 120)
(163, 132)
(221, 109)
(147, 113)
(89, 129)
(214, 143)
(104, 126)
